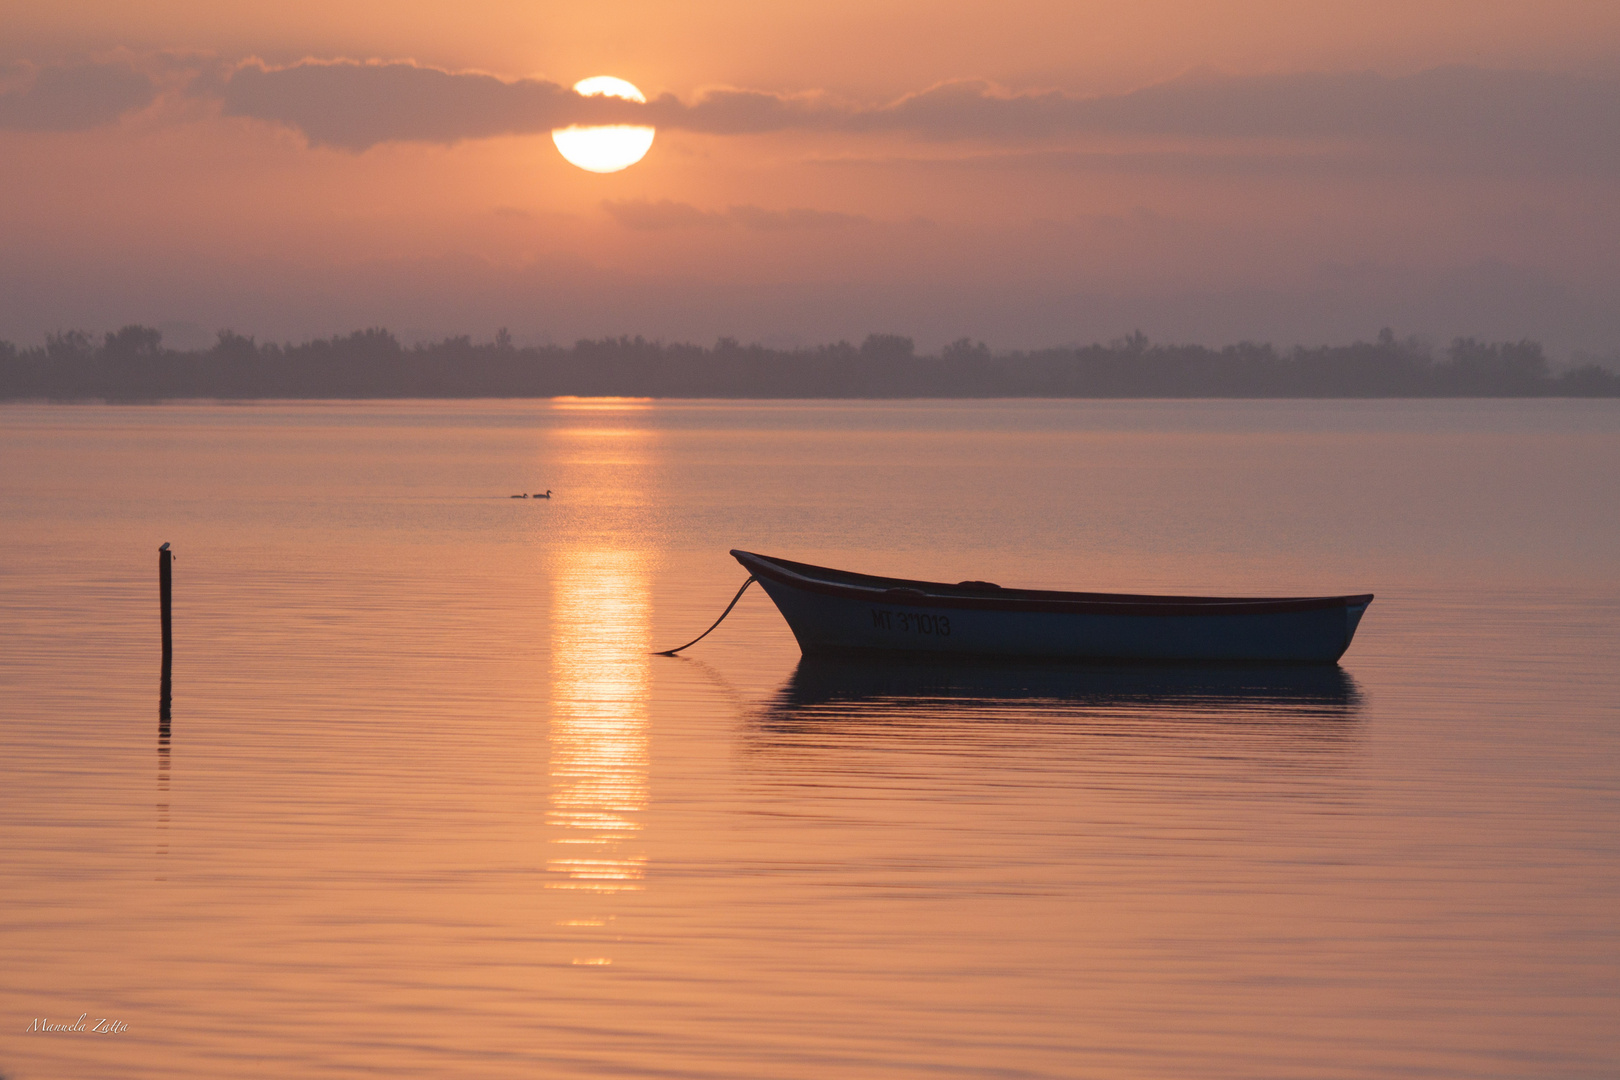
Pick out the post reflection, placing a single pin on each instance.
(599, 725)
(164, 699)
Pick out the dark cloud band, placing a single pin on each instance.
(356, 106)
(647, 216)
(1528, 114)
(73, 97)
(1460, 114)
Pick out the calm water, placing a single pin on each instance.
(428, 807)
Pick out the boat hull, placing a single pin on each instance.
(845, 613)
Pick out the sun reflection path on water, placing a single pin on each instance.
(599, 725)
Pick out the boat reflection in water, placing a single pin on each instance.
(1312, 688)
(981, 702)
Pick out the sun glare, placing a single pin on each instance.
(607, 148)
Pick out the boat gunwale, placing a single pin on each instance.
(868, 588)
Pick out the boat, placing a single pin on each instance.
(839, 612)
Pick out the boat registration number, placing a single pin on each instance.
(901, 622)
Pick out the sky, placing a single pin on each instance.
(1024, 173)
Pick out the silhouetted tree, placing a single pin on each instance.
(887, 347)
(1133, 344)
(133, 342)
(233, 346)
(68, 346)
(131, 363)
(1589, 380)
(965, 349)
(1509, 369)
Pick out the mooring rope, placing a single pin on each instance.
(717, 622)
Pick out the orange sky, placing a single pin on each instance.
(1060, 172)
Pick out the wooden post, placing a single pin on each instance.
(165, 589)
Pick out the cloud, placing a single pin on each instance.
(1472, 115)
(355, 106)
(752, 217)
(72, 97)
(1446, 111)
(1515, 113)
(644, 215)
(1461, 114)
(727, 111)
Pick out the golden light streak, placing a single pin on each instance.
(599, 724)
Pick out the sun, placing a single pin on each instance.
(608, 148)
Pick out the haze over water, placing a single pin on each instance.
(429, 807)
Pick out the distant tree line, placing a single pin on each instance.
(132, 365)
